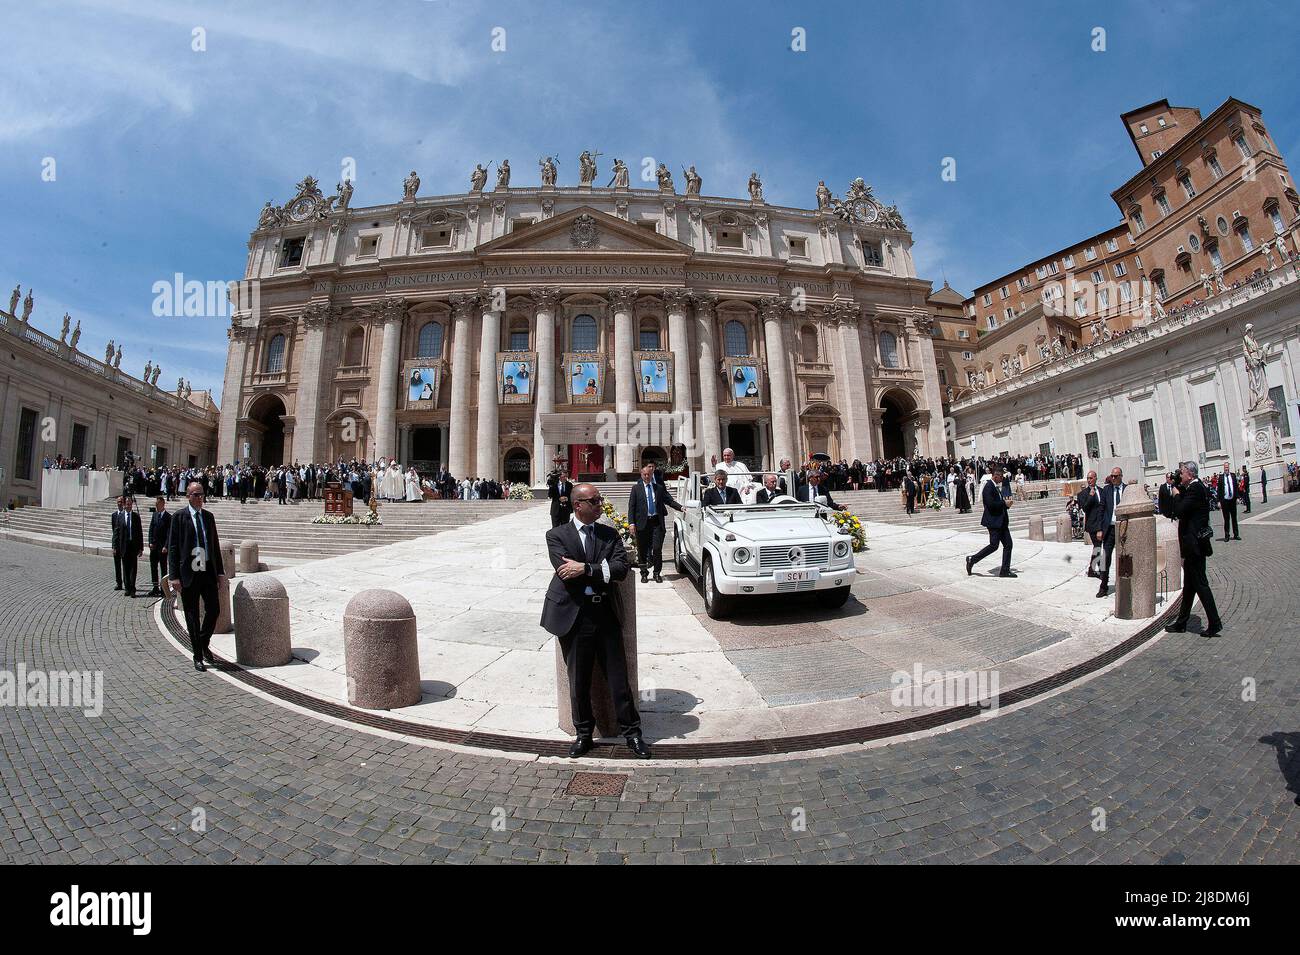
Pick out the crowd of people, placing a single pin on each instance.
(293, 483)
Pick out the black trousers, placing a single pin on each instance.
(117, 566)
(911, 504)
(1229, 508)
(202, 587)
(597, 636)
(650, 542)
(130, 566)
(1195, 584)
(1108, 549)
(998, 537)
(157, 566)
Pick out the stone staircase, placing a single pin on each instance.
(887, 508)
(284, 533)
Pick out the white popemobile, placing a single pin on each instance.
(783, 546)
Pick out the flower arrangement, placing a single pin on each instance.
(519, 491)
(622, 525)
(675, 470)
(847, 523)
(371, 519)
(933, 502)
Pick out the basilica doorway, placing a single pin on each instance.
(518, 467)
(653, 455)
(267, 416)
(741, 438)
(896, 409)
(426, 447)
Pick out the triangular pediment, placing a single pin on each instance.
(584, 229)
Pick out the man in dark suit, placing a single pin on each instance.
(160, 525)
(771, 488)
(1100, 524)
(646, 506)
(193, 568)
(720, 493)
(1228, 496)
(1165, 497)
(560, 490)
(129, 544)
(114, 522)
(583, 611)
(1243, 485)
(909, 489)
(815, 487)
(998, 522)
(1192, 508)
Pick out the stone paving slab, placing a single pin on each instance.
(483, 651)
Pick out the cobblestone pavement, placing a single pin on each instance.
(1163, 745)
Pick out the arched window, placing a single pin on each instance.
(649, 335)
(430, 341)
(519, 334)
(808, 343)
(888, 350)
(275, 354)
(354, 350)
(735, 339)
(583, 334)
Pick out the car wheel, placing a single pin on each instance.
(834, 597)
(715, 604)
(679, 559)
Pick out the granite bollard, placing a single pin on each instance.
(1173, 566)
(248, 557)
(261, 608)
(602, 704)
(224, 622)
(380, 654)
(1135, 555)
(1064, 529)
(228, 559)
(1036, 527)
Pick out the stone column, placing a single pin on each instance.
(443, 444)
(489, 408)
(622, 300)
(679, 343)
(778, 377)
(929, 368)
(707, 440)
(857, 403)
(404, 443)
(311, 368)
(231, 396)
(545, 299)
(392, 312)
(459, 444)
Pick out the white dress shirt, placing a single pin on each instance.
(740, 475)
(582, 536)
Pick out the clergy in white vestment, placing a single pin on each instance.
(413, 486)
(738, 475)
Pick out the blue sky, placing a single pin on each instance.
(165, 155)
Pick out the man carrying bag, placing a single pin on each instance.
(1191, 507)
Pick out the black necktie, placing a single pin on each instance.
(589, 543)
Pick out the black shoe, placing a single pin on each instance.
(1225, 540)
(207, 655)
(968, 566)
(659, 578)
(155, 592)
(1176, 628)
(637, 745)
(131, 594)
(1214, 631)
(1234, 536)
(581, 745)
(1009, 573)
(118, 587)
(645, 578)
(1103, 590)
(198, 665)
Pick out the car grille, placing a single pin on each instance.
(777, 556)
(801, 585)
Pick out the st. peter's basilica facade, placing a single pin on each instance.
(491, 331)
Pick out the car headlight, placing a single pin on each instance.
(841, 548)
(741, 555)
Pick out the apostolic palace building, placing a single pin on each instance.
(489, 331)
